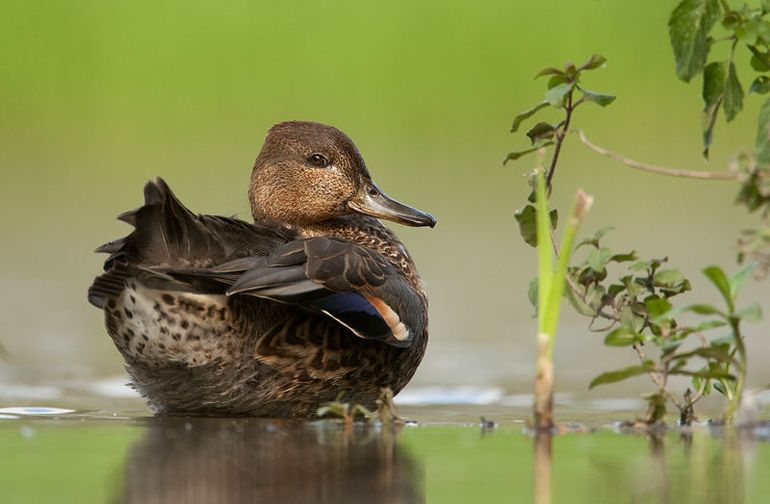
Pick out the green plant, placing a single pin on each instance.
(696, 28)
(637, 305)
(551, 280)
(636, 309)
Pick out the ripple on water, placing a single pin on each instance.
(32, 410)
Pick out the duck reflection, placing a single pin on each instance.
(182, 460)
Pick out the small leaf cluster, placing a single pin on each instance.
(344, 410)
(691, 30)
(754, 244)
(562, 93)
(526, 217)
(638, 309)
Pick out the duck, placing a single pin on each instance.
(314, 300)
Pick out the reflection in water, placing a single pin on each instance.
(542, 461)
(257, 460)
(703, 465)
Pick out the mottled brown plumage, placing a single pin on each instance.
(216, 316)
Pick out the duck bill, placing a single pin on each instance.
(371, 201)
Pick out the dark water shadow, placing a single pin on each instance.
(257, 460)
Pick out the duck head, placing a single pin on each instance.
(308, 173)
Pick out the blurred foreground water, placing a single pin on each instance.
(95, 456)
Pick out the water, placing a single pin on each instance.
(106, 456)
(96, 99)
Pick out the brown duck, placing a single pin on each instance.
(217, 316)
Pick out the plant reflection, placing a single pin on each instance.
(256, 460)
(700, 464)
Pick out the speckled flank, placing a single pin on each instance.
(217, 316)
(171, 327)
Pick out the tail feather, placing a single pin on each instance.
(168, 237)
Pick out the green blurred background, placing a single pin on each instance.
(98, 97)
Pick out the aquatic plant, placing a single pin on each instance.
(551, 280)
(636, 303)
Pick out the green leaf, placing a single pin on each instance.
(626, 257)
(709, 353)
(720, 281)
(761, 85)
(595, 61)
(598, 258)
(556, 80)
(715, 374)
(555, 96)
(512, 156)
(688, 28)
(733, 94)
(713, 95)
(667, 278)
(598, 98)
(630, 321)
(759, 60)
(752, 31)
(532, 292)
(526, 115)
(711, 324)
(751, 314)
(739, 278)
(622, 374)
(703, 309)
(549, 71)
(579, 305)
(527, 226)
(622, 337)
(698, 382)
(657, 307)
(527, 219)
(594, 240)
(762, 144)
(541, 131)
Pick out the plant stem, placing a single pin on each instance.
(560, 136)
(661, 170)
(550, 291)
(734, 402)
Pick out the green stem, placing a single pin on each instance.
(544, 261)
(559, 141)
(550, 291)
(735, 401)
(553, 302)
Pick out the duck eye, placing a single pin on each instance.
(318, 160)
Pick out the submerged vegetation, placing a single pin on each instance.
(634, 306)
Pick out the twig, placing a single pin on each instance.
(576, 290)
(560, 136)
(656, 377)
(661, 170)
(702, 389)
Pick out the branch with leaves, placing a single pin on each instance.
(636, 306)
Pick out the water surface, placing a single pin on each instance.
(105, 456)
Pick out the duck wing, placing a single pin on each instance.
(350, 283)
(168, 236)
